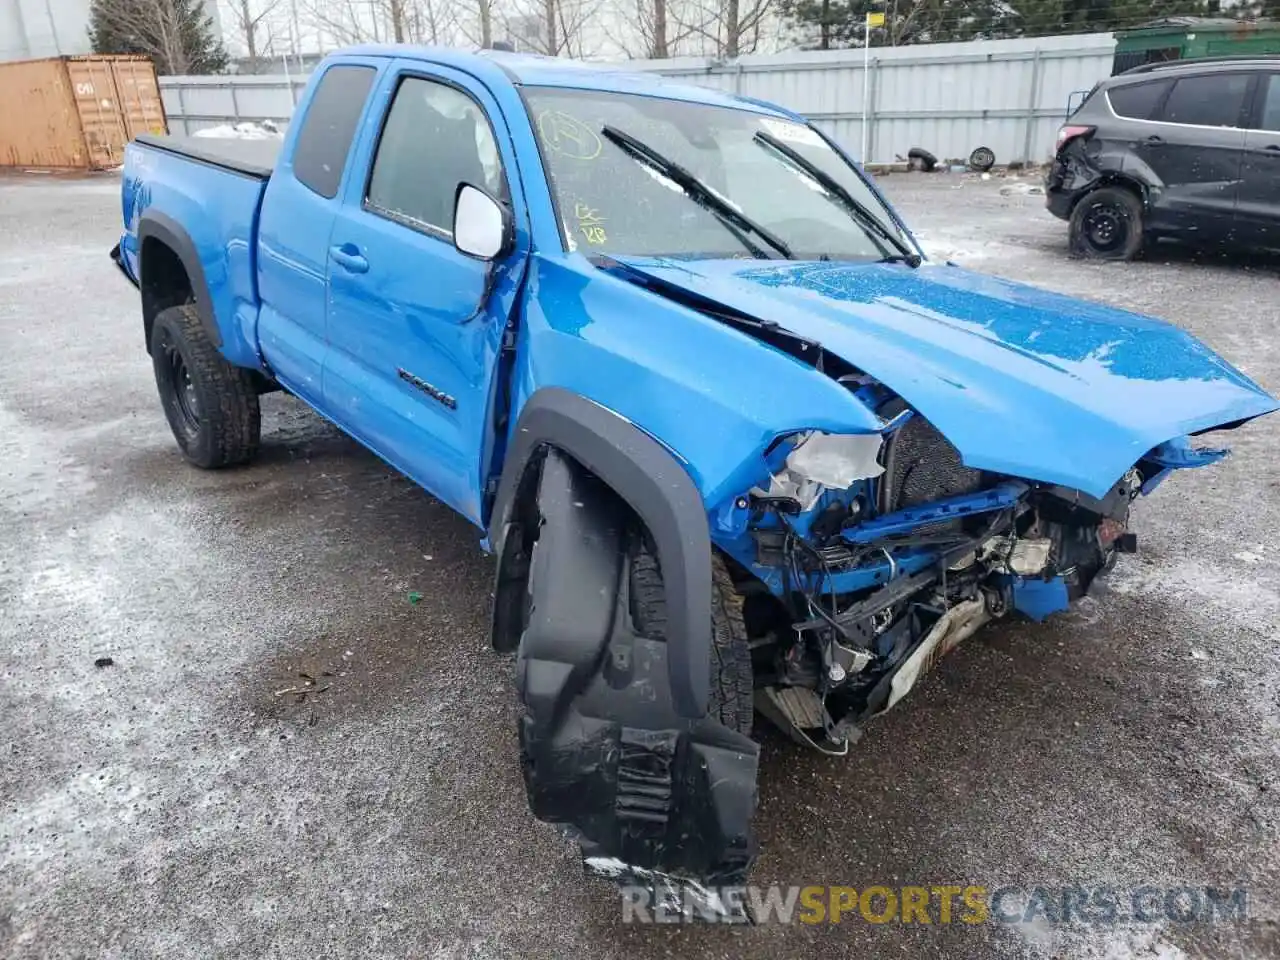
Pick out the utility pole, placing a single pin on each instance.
(872, 20)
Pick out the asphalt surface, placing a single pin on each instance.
(182, 803)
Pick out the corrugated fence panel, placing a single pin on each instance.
(195, 103)
(1009, 95)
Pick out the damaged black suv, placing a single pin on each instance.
(1188, 150)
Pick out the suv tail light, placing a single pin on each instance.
(1070, 132)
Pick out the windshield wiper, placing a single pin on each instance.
(835, 191)
(737, 222)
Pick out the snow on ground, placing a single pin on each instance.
(972, 240)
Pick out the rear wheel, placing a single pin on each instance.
(212, 406)
(1108, 225)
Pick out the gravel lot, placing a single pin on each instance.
(173, 805)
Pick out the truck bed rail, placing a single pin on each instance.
(250, 158)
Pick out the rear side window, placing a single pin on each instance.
(1137, 101)
(329, 126)
(1271, 103)
(1214, 100)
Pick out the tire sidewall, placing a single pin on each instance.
(1125, 207)
(167, 336)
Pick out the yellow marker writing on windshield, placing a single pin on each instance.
(590, 223)
(568, 136)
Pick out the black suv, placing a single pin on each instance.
(1188, 149)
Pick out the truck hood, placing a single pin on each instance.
(1023, 382)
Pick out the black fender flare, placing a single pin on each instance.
(159, 226)
(653, 483)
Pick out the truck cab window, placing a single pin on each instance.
(329, 126)
(435, 137)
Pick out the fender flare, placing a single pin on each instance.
(159, 226)
(658, 488)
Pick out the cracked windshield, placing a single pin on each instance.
(652, 177)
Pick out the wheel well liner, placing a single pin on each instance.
(170, 273)
(646, 476)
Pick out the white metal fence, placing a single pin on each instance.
(1009, 95)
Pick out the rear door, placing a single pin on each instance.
(302, 198)
(1258, 206)
(415, 326)
(1192, 150)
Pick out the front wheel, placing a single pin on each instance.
(653, 797)
(1108, 225)
(730, 699)
(211, 406)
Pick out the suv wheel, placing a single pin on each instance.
(1108, 225)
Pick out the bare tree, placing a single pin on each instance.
(475, 20)
(251, 20)
(659, 47)
(658, 30)
(555, 28)
(437, 22)
(728, 28)
(343, 22)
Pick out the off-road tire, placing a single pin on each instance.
(1108, 224)
(731, 695)
(211, 406)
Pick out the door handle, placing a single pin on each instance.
(349, 258)
(1155, 141)
(1272, 150)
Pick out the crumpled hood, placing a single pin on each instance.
(1022, 382)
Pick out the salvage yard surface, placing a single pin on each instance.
(286, 756)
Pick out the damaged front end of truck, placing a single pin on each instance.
(886, 553)
(989, 469)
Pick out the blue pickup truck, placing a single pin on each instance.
(738, 446)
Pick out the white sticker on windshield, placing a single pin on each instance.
(789, 132)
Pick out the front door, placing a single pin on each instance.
(1258, 207)
(414, 325)
(1194, 148)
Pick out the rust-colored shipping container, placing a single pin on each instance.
(76, 112)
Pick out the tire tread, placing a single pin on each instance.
(230, 415)
(732, 690)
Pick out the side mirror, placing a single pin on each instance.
(482, 226)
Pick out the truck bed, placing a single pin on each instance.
(250, 158)
(201, 197)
